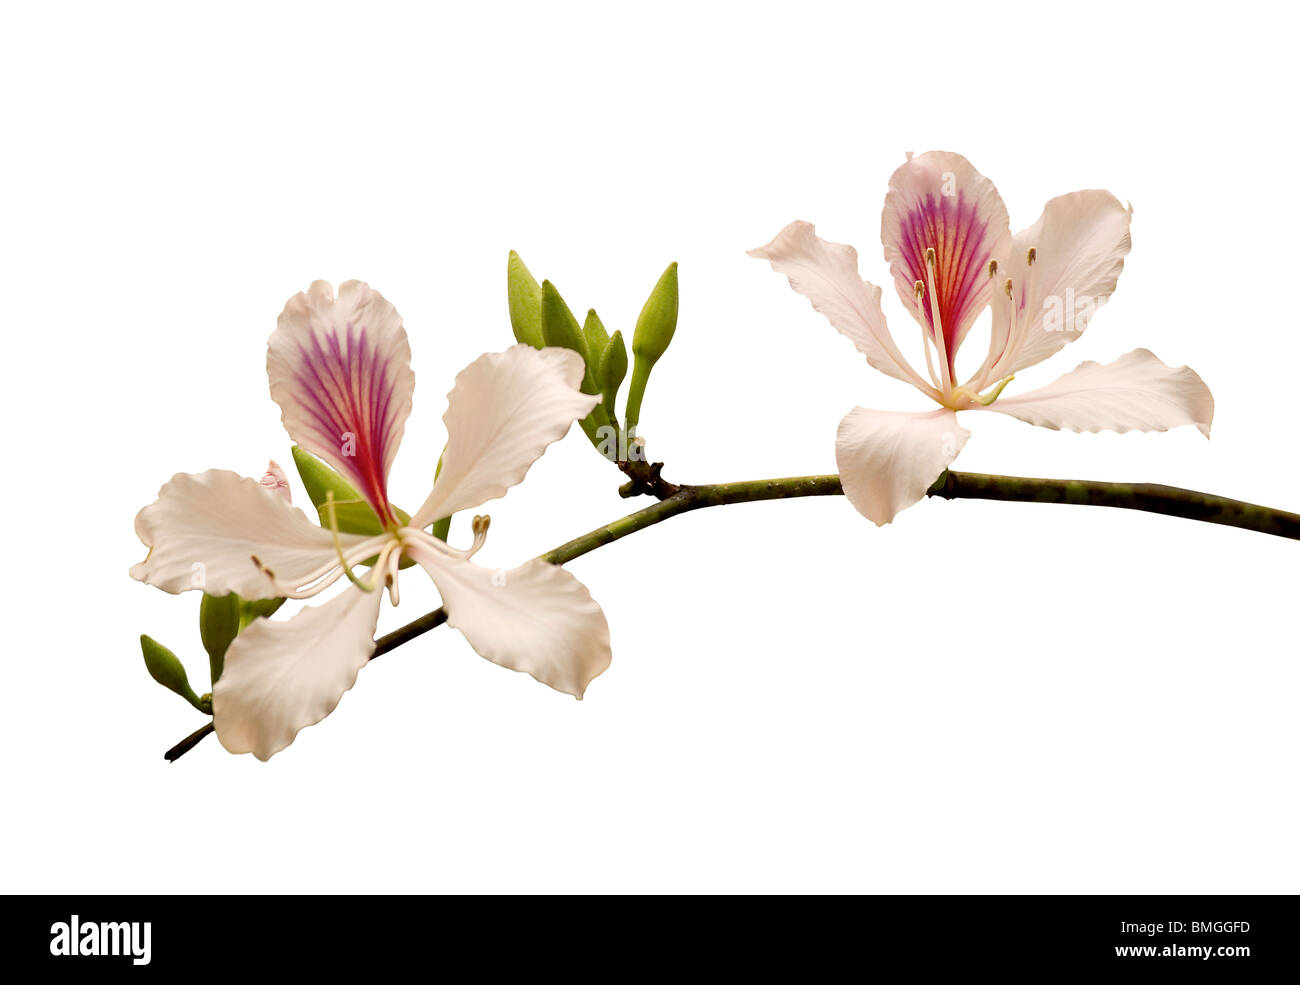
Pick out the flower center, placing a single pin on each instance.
(923, 289)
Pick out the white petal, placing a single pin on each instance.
(536, 618)
(827, 275)
(204, 531)
(281, 676)
(937, 200)
(887, 460)
(505, 408)
(1079, 243)
(340, 369)
(1137, 392)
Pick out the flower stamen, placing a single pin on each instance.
(479, 526)
(427, 540)
(338, 545)
(926, 341)
(988, 398)
(394, 562)
(940, 344)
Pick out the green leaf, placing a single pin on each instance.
(654, 331)
(219, 624)
(525, 297)
(354, 513)
(166, 669)
(612, 370)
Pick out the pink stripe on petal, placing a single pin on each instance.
(938, 201)
(340, 371)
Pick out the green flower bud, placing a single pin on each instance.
(166, 669)
(654, 331)
(560, 328)
(219, 624)
(525, 297)
(658, 319)
(350, 508)
(594, 334)
(259, 609)
(612, 370)
(441, 528)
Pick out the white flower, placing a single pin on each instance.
(950, 250)
(340, 371)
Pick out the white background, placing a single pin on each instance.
(980, 697)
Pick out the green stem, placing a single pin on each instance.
(1146, 497)
(686, 499)
(636, 393)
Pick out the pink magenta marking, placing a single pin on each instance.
(348, 390)
(952, 226)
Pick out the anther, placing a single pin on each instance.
(1031, 256)
(919, 289)
(479, 526)
(1007, 287)
(993, 268)
(929, 256)
(262, 568)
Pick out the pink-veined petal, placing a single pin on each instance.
(282, 675)
(505, 408)
(826, 274)
(1079, 244)
(1137, 392)
(277, 482)
(220, 532)
(340, 369)
(537, 618)
(887, 459)
(937, 200)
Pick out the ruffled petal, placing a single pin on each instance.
(1079, 244)
(281, 676)
(938, 201)
(827, 275)
(277, 482)
(505, 408)
(536, 618)
(220, 532)
(887, 460)
(1137, 392)
(340, 369)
